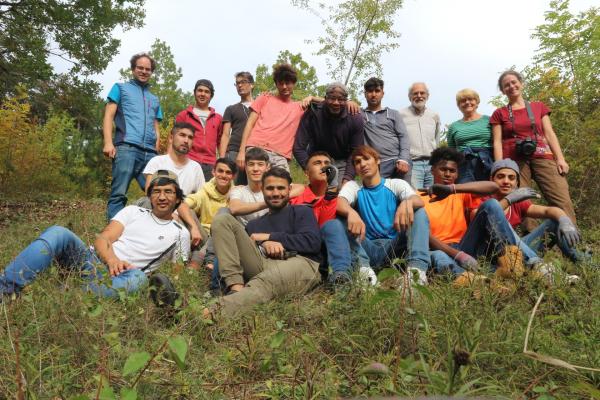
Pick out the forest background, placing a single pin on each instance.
(52, 169)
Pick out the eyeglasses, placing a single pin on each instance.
(239, 83)
(166, 192)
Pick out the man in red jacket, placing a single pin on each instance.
(207, 125)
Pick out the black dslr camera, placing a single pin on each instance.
(526, 147)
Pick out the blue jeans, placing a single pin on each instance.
(487, 235)
(60, 244)
(337, 247)
(536, 241)
(421, 177)
(381, 252)
(476, 165)
(128, 164)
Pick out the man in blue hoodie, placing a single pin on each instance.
(136, 113)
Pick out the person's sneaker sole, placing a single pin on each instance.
(162, 291)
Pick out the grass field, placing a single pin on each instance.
(58, 342)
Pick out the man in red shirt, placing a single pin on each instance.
(557, 226)
(321, 195)
(207, 125)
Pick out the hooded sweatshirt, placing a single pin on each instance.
(207, 201)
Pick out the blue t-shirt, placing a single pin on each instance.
(377, 205)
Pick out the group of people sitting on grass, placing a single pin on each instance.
(380, 193)
(277, 238)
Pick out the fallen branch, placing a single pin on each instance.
(547, 359)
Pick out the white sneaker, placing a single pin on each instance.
(368, 275)
(421, 276)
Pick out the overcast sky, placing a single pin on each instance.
(448, 44)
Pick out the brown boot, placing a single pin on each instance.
(510, 264)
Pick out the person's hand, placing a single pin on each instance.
(521, 194)
(405, 216)
(273, 249)
(402, 166)
(109, 150)
(240, 160)
(568, 231)
(356, 226)
(439, 191)
(332, 176)
(260, 237)
(195, 235)
(305, 102)
(353, 107)
(116, 266)
(466, 261)
(563, 167)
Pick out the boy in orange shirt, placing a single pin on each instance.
(455, 244)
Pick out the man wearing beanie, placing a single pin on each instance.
(557, 227)
(207, 125)
(330, 128)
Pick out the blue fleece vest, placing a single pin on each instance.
(137, 109)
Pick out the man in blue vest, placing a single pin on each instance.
(136, 113)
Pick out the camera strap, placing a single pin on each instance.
(531, 120)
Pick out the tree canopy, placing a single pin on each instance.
(78, 31)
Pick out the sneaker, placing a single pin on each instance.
(510, 264)
(338, 280)
(162, 291)
(367, 274)
(416, 276)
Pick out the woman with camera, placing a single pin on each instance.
(522, 131)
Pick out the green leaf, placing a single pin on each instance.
(128, 394)
(309, 342)
(107, 394)
(277, 339)
(382, 294)
(96, 311)
(179, 347)
(387, 273)
(135, 362)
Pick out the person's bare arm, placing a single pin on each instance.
(185, 213)
(437, 244)
(543, 212)
(241, 158)
(239, 207)
(110, 110)
(561, 163)
(147, 176)
(356, 226)
(405, 215)
(440, 191)
(104, 248)
(497, 141)
(225, 139)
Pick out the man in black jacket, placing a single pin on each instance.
(275, 255)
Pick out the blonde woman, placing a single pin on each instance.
(472, 136)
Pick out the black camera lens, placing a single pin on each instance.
(328, 170)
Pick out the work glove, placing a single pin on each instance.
(439, 191)
(466, 261)
(568, 231)
(521, 194)
(332, 176)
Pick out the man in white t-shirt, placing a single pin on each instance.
(247, 202)
(133, 244)
(189, 173)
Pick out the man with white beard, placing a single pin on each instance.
(424, 128)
